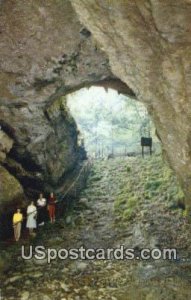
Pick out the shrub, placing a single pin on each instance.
(131, 202)
(128, 214)
(120, 201)
(153, 185)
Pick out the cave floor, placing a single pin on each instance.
(127, 201)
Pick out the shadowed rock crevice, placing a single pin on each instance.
(45, 139)
(46, 57)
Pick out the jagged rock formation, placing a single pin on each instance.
(11, 192)
(149, 48)
(45, 52)
(10, 189)
(6, 144)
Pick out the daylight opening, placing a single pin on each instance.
(111, 124)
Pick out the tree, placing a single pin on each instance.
(109, 122)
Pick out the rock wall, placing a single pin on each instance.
(45, 145)
(44, 53)
(11, 191)
(149, 48)
(140, 47)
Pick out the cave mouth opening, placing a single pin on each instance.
(110, 123)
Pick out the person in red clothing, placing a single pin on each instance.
(52, 207)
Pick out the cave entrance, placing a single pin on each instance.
(110, 124)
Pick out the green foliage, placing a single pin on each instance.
(153, 185)
(108, 121)
(126, 203)
(180, 195)
(96, 178)
(120, 202)
(128, 214)
(152, 180)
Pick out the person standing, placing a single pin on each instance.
(52, 207)
(31, 217)
(17, 221)
(42, 212)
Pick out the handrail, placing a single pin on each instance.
(88, 163)
(75, 181)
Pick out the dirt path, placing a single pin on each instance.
(120, 206)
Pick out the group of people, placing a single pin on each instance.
(36, 215)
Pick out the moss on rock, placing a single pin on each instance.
(11, 192)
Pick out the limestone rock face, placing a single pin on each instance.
(45, 144)
(149, 48)
(11, 191)
(44, 53)
(6, 144)
(139, 47)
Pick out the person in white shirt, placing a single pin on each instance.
(42, 211)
